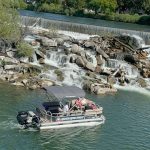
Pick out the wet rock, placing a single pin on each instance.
(73, 58)
(39, 54)
(24, 60)
(91, 74)
(133, 41)
(18, 84)
(89, 44)
(24, 81)
(59, 41)
(90, 66)
(106, 72)
(59, 73)
(101, 52)
(111, 80)
(9, 60)
(142, 55)
(11, 67)
(10, 54)
(46, 82)
(131, 58)
(77, 49)
(98, 69)
(142, 82)
(42, 61)
(145, 73)
(79, 61)
(100, 60)
(48, 42)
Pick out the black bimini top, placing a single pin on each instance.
(61, 92)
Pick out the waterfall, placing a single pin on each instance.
(81, 28)
(131, 71)
(71, 72)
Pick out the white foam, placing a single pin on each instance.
(133, 88)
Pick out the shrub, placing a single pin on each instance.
(24, 50)
(45, 7)
(144, 20)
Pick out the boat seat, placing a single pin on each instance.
(93, 112)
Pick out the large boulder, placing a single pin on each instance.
(100, 60)
(90, 44)
(98, 69)
(48, 42)
(40, 54)
(9, 60)
(90, 66)
(77, 49)
(80, 62)
(101, 52)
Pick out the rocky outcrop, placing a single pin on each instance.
(99, 88)
(93, 62)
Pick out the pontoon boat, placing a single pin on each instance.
(67, 107)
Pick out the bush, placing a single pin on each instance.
(45, 7)
(144, 20)
(123, 17)
(24, 50)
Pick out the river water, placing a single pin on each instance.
(127, 123)
(86, 21)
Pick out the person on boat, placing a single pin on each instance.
(78, 103)
(66, 108)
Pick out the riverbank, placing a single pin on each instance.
(118, 17)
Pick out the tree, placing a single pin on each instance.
(9, 22)
(146, 6)
(103, 5)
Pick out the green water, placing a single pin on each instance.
(127, 125)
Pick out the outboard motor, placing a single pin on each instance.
(28, 119)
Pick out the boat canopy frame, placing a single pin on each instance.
(59, 93)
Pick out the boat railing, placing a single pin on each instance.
(53, 116)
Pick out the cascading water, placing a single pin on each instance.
(130, 70)
(71, 72)
(81, 28)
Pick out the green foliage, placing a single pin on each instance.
(146, 6)
(9, 27)
(52, 7)
(117, 10)
(24, 50)
(19, 4)
(123, 17)
(103, 5)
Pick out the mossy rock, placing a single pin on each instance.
(59, 74)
